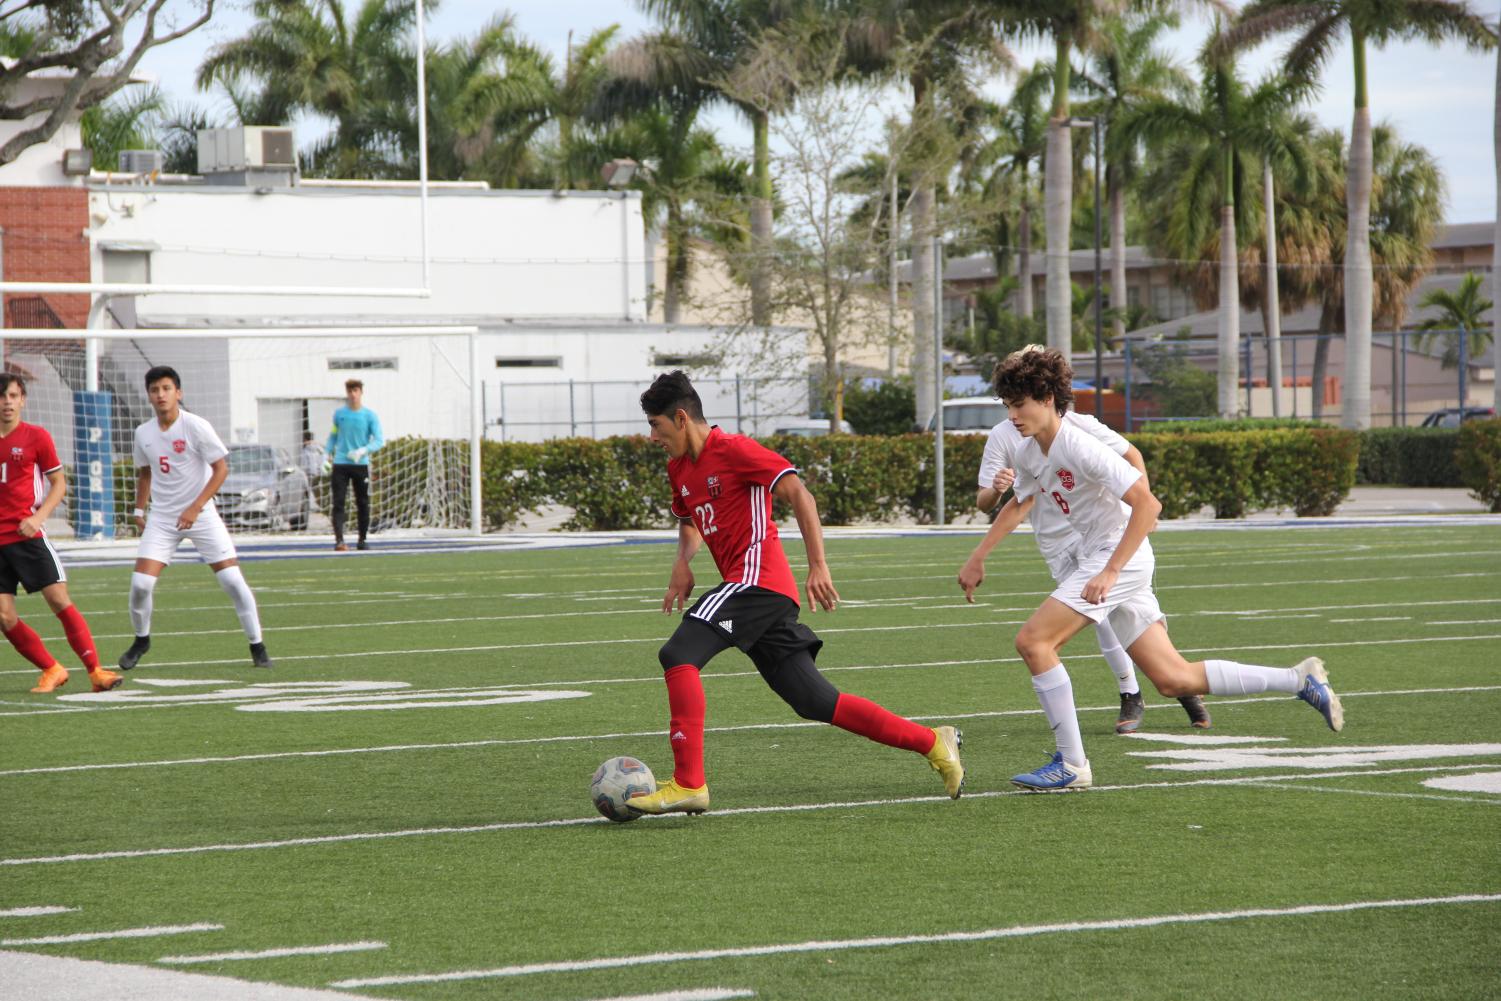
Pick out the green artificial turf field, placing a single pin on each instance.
(412, 778)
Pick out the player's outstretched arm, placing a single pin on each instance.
(1144, 511)
(972, 574)
(821, 593)
(680, 584)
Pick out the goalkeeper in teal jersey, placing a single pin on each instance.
(355, 435)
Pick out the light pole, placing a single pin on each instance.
(1099, 342)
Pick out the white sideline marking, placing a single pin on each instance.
(296, 950)
(860, 629)
(532, 825)
(102, 936)
(1195, 739)
(888, 941)
(691, 994)
(1377, 792)
(34, 912)
(1382, 618)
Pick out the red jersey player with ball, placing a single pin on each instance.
(722, 490)
(31, 487)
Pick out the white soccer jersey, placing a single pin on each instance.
(1083, 481)
(1055, 536)
(179, 459)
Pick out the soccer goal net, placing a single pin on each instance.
(272, 401)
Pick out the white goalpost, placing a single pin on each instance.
(267, 391)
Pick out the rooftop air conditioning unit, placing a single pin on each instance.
(245, 147)
(141, 161)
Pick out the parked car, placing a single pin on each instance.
(1449, 417)
(264, 489)
(810, 427)
(972, 416)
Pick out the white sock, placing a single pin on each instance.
(234, 585)
(1115, 658)
(1056, 693)
(142, 586)
(1226, 677)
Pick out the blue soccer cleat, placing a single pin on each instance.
(1055, 776)
(1317, 693)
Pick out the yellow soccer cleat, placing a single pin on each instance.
(105, 680)
(671, 798)
(52, 679)
(944, 759)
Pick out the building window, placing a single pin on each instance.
(126, 267)
(360, 364)
(702, 359)
(541, 362)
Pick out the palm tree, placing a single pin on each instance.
(931, 45)
(311, 56)
(1319, 26)
(127, 121)
(1126, 70)
(1460, 312)
(1020, 141)
(1220, 130)
(1312, 220)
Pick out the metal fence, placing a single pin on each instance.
(1415, 377)
(537, 411)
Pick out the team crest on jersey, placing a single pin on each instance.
(714, 489)
(1066, 478)
(17, 453)
(180, 445)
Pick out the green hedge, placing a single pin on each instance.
(1209, 424)
(1307, 469)
(1478, 456)
(1414, 457)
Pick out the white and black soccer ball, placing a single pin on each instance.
(616, 781)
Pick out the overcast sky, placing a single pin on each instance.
(1441, 98)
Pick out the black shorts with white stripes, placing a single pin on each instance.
(760, 622)
(31, 562)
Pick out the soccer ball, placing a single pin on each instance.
(616, 781)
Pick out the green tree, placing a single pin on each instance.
(1318, 26)
(1124, 71)
(1219, 132)
(1460, 311)
(884, 407)
(322, 57)
(126, 121)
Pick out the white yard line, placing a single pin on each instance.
(891, 941)
(1492, 801)
(293, 950)
(104, 936)
(35, 912)
(691, 994)
(569, 738)
(39, 977)
(532, 825)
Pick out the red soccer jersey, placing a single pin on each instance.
(726, 493)
(26, 455)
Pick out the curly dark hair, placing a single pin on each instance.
(1036, 374)
(671, 392)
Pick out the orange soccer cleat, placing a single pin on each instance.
(52, 679)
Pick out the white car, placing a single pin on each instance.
(976, 415)
(810, 428)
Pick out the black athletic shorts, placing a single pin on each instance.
(760, 622)
(31, 562)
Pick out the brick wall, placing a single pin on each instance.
(44, 241)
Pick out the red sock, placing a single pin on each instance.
(79, 637)
(685, 701)
(883, 726)
(29, 645)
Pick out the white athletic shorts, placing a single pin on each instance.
(209, 537)
(1130, 607)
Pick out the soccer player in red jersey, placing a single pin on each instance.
(722, 490)
(31, 487)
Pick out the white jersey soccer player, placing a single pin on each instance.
(1111, 508)
(1059, 544)
(180, 465)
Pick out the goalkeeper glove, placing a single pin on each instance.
(358, 455)
(328, 466)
